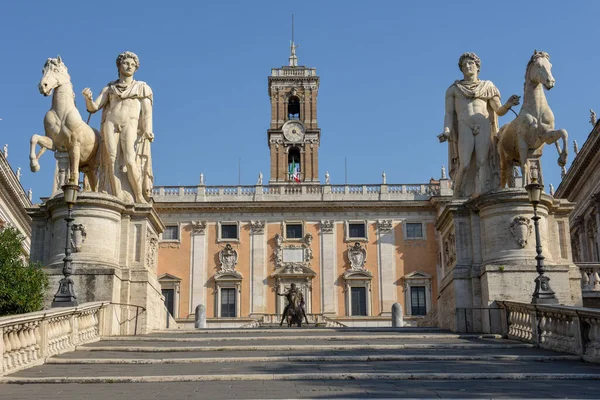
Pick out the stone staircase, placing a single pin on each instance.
(311, 362)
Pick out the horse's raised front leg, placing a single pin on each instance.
(554, 136)
(45, 143)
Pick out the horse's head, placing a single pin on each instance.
(54, 74)
(539, 70)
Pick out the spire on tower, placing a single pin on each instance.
(293, 57)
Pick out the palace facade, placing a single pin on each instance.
(13, 201)
(581, 185)
(353, 250)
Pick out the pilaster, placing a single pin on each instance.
(386, 265)
(199, 265)
(329, 304)
(258, 268)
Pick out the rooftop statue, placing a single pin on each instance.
(472, 110)
(126, 131)
(524, 137)
(64, 127)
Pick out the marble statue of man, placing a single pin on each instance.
(126, 132)
(470, 127)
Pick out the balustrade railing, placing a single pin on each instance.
(298, 192)
(590, 276)
(28, 339)
(567, 329)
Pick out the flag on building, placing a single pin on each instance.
(294, 172)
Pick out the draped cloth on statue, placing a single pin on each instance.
(135, 90)
(484, 90)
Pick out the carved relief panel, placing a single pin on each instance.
(520, 229)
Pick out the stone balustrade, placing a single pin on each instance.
(293, 72)
(573, 330)
(28, 339)
(590, 276)
(299, 192)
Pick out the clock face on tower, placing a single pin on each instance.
(293, 131)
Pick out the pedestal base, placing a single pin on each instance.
(488, 255)
(114, 256)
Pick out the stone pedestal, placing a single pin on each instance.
(114, 255)
(488, 255)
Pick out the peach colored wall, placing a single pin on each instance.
(271, 231)
(176, 261)
(416, 255)
(411, 255)
(343, 264)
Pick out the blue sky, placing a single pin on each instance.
(384, 68)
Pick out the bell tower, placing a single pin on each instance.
(294, 135)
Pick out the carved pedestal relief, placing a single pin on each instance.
(78, 237)
(520, 229)
(151, 251)
(450, 250)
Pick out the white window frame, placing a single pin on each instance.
(347, 237)
(417, 278)
(423, 232)
(178, 240)
(358, 282)
(168, 281)
(221, 239)
(284, 230)
(228, 284)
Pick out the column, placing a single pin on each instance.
(328, 268)
(258, 268)
(198, 265)
(387, 266)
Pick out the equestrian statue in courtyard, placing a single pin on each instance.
(294, 310)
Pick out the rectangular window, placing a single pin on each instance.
(357, 230)
(228, 302)
(417, 300)
(229, 231)
(359, 300)
(169, 295)
(293, 231)
(414, 230)
(171, 233)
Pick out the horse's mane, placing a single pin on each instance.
(536, 55)
(54, 62)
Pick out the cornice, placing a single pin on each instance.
(17, 199)
(576, 174)
(305, 206)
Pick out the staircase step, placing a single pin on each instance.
(306, 377)
(313, 359)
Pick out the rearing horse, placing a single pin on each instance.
(534, 126)
(64, 127)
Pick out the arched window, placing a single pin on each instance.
(294, 107)
(294, 164)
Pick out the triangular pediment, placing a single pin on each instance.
(168, 278)
(418, 275)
